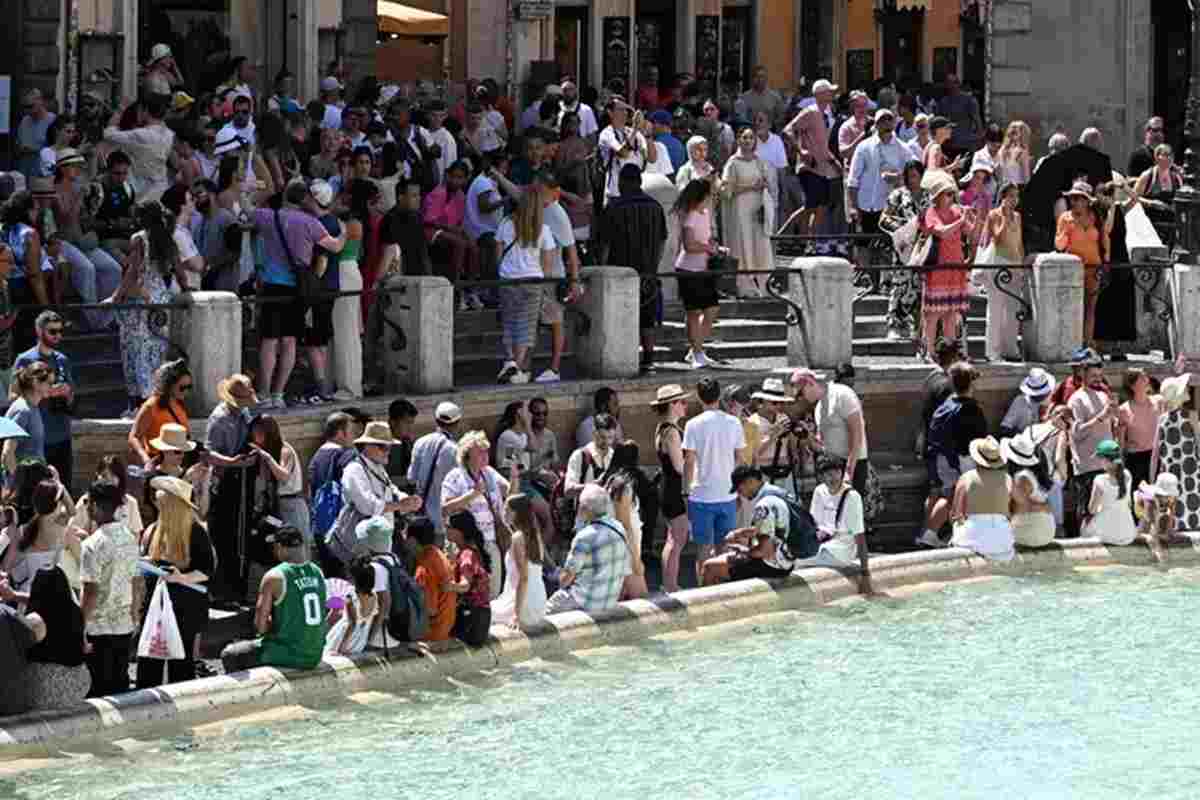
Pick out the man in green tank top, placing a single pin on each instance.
(290, 614)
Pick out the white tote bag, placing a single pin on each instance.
(160, 632)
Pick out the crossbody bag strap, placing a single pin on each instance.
(612, 528)
(837, 517)
(283, 241)
(432, 471)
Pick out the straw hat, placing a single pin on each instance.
(1020, 449)
(1080, 189)
(1038, 383)
(1174, 390)
(772, 391)
(669, 394)
(1166, 485)
(378, 433)
(176, 487)
(173, 438)
(936, 182)
(237, 391)
(70, 157)
(986, 453)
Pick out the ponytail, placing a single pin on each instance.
(159, 225)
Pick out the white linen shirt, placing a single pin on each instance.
(871, 159)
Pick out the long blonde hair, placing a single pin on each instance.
(172, 537)
(1016, 139)
(527, 219)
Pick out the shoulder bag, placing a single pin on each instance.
(503, 534)
(308, 281)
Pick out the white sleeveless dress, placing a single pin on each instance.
(1113, 524)
(358, 637)
(504, 606)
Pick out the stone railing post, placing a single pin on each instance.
(1185, 299)
(418, 334)
(1056, 294)
(824, 292)
(209, 331)
(610, 303)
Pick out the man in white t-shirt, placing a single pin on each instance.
(620, 145)
(438, 135)
(590, 463)
(837, 509)
(572, 104)
(484, 200)
(841, 428)
(713, 444)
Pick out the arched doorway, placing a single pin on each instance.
(1172, 25)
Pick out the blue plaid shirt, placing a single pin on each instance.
(600, 561)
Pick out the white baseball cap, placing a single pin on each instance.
(884, 112)
(824, 86)
(159, 52)
(331, 84)
(447, 412)
(322, 192)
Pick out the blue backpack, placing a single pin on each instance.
(327, 503)
(939, 440)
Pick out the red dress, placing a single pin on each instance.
(946, 290)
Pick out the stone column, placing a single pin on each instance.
(361, 22)
(1056, 294)
(610, 348)
(209, 331)
(418, 334)
(1185, 299)
(824, 292)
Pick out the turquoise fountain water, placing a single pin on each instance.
(1014, 688)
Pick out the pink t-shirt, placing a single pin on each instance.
(700, 221)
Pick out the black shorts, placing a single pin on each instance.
(817, 191)
(650, 305)
(755, 568)
(698, 292)
(280, 320)
(320, 332)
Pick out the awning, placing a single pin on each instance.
(402, 20)
(902, 5)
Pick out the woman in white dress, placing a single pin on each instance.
(1110, 517)
(348, 635)
(524, 588)
(981, 504)
(748, 184)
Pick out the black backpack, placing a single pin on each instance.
(801, 540)
(408, 620)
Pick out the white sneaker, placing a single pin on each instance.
(699, 360)
(507, 372)
(930, 539)
(519, 377)
(548, 376)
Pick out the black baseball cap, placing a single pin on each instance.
(286, 536)
(940, 122)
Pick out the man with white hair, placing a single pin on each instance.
(592, 576)
(1092, 138)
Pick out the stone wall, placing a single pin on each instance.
(41, 54)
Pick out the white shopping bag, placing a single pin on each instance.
(904, 238)
(160, 632)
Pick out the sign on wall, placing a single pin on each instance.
(533, 9)
(614, 35)
(5, 103)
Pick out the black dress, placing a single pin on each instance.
(672, 504)
(1116, 308)
(191, 613)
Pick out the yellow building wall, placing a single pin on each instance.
(777, 41)
(941, 29)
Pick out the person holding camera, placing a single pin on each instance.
(777, 454)
(58, 398)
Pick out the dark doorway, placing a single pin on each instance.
(902, 39)
(1172, 31)
(655, 31)
(571, 43)
(974, 56)
(737, 46)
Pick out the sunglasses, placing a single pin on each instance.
(185, 387)
(54, 331)
(1156, 130)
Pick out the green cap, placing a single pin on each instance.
(1109, 449)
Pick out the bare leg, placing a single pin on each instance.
(677, 537)
(558, 343)
(318, 358)
(710, 319)
(695, 329)
(287, 362)
(706, 552)
(268, 351)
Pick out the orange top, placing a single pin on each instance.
(434, 572)
(159, 416)
(1070, 238)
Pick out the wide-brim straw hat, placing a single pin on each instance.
(225, 391)
(1079, 189)
(1174, 390)
(772, 391)
(669, 394)
(1020, 449)
(377, 433)
(70, 157)
(986, 453)
(936, 182)
(176, 487)
(173, 438)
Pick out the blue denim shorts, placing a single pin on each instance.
(711, 521)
